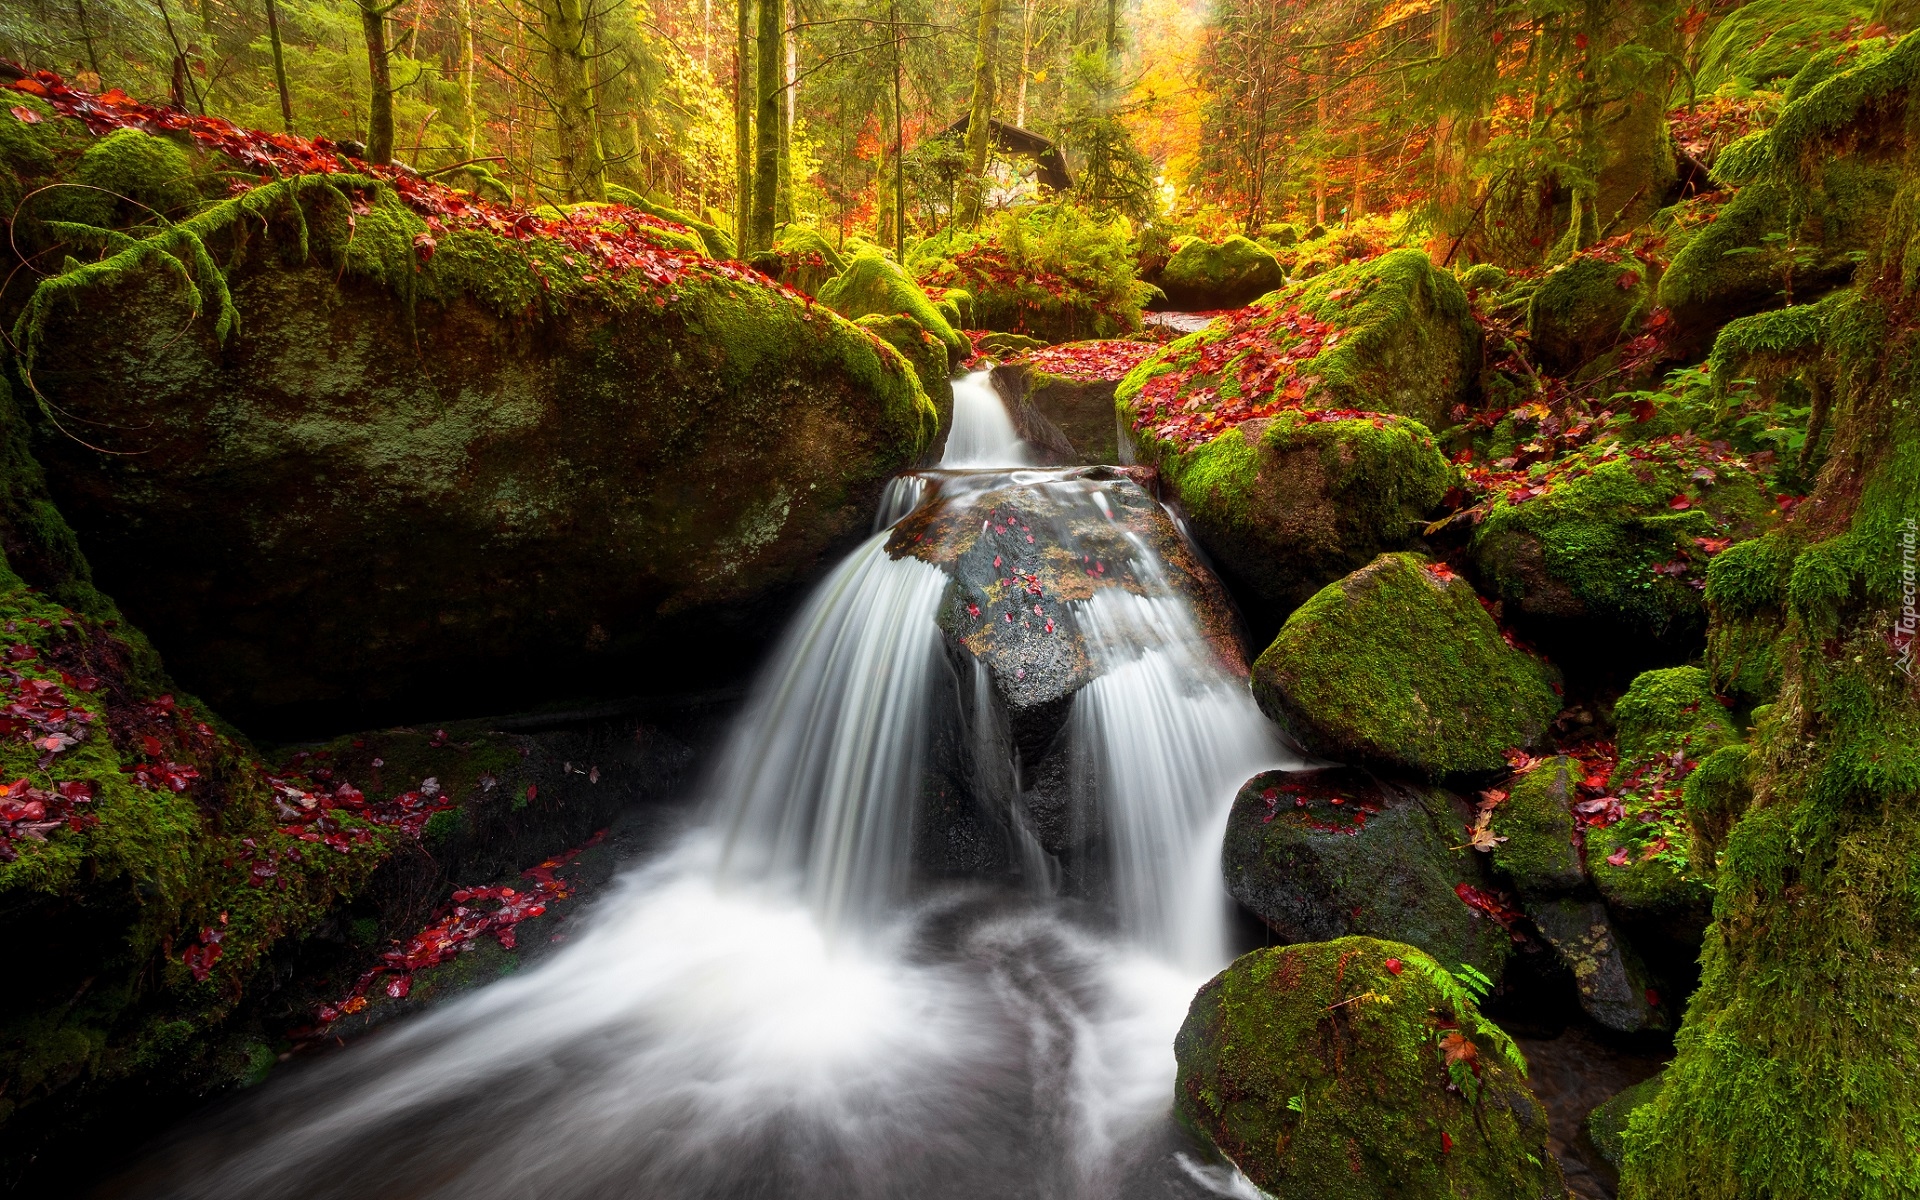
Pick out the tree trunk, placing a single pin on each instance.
(582, 164)
(1026, 62)
(980, 116)
(279, 67)
(742, 126)
(789, 67)
(373, 22)
(469, 119)
(899, 142)
(771, 62)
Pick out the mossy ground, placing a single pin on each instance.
(1359, 1068)
(1399, 665)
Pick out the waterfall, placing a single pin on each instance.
(768, 1005)
(983, 434)
(816, 782)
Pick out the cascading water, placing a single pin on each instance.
(773, 1006)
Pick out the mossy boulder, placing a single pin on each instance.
(923, 351)
(874, 283)
(1068, 421)
(1766, 245)
(1607, 1124)
(1609, 549)
(1667, 721)
(503, 462)
(1398, 665)
(807, 260)
(1359, 1068)
(1287, 504)
(1540, 847)
(1585, 307)
(1323, 854)
(1393, 334)
(1203, 275)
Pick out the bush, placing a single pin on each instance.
(1052, 271)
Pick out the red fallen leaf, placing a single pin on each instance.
(1460, 1049)
(19, 652)
(1653, 998)
(25, 115)
(83, 683)
(152, 745)
(1394, 966)
(424, 244)
(1628, 281)
(399, 986)
(1679, 503)
(1713, 546)
(1441, 571)
(1642, 410)
(79, 791)
(1446, 1139)
(533, 791)
(1619, 857)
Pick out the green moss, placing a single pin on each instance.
(1769, 41)
(714, 241)
(1717, 793)
(1320, 1071)
(155, 174)
(1483, 277)
(920, 348)
(1585, 307)
(1746, 596)
(1667, 722)
(1542, 851)
(1204, 275)
(1607, 1124)
(1668, 710)
(1606, 543)
(1399, 666)
(873, 284)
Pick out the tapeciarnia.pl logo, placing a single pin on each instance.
(1903, 628)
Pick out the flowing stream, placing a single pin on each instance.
(774, 1005)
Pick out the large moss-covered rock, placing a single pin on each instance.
(923, 351)
(713, 240)
(1398, 665)
(399, 475)
(1357, 1068)
(1287, 504)
(168, 895)
(1765, 247)
(874, 283)
(1607, 1123)
(1585, 307)
(1202, 275)
(1392, 334)
(1323, 854)
(1609, 548)
(1765, 43)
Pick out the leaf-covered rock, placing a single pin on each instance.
(1398, 665)
(873, 284)
(1358, 1068)
(1323, 854)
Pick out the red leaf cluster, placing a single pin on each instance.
(474, 913)
(616, 238)
(1492, 904)
(1260, 350)
(1089, 362)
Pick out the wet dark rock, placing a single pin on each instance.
(1615, 987)
(1324, 854)
(1069, 422)
(1022, 559)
